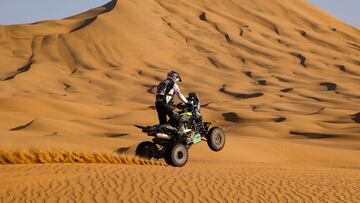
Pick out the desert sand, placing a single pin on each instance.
(281, 77)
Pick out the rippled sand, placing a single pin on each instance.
(282, 78)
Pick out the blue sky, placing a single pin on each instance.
(26, 11)
(346, 10)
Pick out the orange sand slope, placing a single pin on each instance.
(281, 77)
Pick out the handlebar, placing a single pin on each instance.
(183, 105)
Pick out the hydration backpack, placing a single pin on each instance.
(163, 90)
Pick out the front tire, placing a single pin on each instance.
(146, 150)
(216, 139)
(177, 155)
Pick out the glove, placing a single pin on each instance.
(190, 104)
(180, 105)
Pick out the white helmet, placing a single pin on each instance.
(174, 76)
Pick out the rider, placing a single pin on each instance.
(165, 97)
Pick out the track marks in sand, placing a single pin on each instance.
(35, 156)
(21, 127)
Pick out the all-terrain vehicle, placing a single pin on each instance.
(173, 140)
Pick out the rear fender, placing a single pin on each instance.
(143, 128)
(207, 126)
(148, 129)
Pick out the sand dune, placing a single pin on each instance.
(281, 77)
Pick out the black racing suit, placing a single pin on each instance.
(165, 100)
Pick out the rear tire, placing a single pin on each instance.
(177, 155)
(216, 139)
(146, 150)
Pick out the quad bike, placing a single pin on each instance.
(173, 140)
